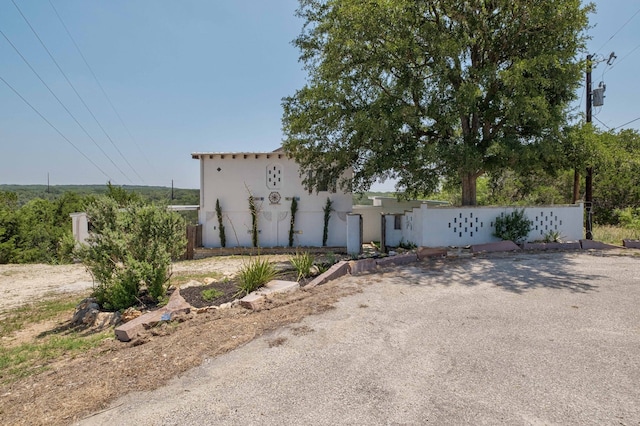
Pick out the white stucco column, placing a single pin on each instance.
(354, 234)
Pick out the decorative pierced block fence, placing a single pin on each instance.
(461, 226)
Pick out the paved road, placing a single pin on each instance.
(511, 339)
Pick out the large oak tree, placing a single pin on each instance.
(421, 90)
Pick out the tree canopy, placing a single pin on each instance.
(421, 90)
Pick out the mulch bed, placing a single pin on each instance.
(193, 295)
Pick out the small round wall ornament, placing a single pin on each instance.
(274, 197)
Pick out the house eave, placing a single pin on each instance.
(237, 155)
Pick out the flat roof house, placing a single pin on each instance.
(273, 180)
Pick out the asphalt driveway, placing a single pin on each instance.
(549, 338)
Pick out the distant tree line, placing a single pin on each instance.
(35, 226)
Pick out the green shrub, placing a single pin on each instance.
(407, 245)
(629, 217)
(211, 293)
(302, 262)
(254, 275)
(130, 251)
(514, 226)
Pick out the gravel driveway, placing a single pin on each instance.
(548, 338)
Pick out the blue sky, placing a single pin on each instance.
(193, 75)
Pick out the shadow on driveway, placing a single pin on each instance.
(513, 272)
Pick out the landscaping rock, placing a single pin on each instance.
(314, 271)
(362, 266)
(130, 314)
(252, 301)
(552, 246)
(194, 283)
(255, 299)
(631, 243)
(206, 309)
(86, 312)
(429, 252)
(131, 329)
(106, 320)
(402, 259)
(597, 245)
(278, 286)
(336, 271)
(494, 247)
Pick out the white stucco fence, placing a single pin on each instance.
(461, 226)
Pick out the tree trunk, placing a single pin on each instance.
(576, 186)
(469, 189)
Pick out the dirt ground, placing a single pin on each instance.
(73, 388)
(22, 284)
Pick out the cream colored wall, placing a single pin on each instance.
(371, 215)
(233, 178)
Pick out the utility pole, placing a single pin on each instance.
(588, 181)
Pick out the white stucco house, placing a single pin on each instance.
(273, 180)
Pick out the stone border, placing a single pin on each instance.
(597, 245)
(631, 244)
(131, 329)
(494, 247)
(255, 299)
(570, 245)
(336, 271)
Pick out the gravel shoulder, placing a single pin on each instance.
(22, 284)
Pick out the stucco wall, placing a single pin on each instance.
(371, 214)
(460, 226)
(231, 178)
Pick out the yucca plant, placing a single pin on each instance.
(302, 262)
(254, 275)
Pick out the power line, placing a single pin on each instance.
(60, 102)
(102, 88)
(600, 121)
(54, 128)
(628, 122)
(626, 56)
(74, 89)
(619, 29)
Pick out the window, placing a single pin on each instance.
(320, 182)
(397, 221)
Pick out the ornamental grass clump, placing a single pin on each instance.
(254, 275)
(302, 262)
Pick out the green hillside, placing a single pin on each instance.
(27, 193)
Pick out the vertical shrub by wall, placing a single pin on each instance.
(254, 221)
(294, 210)
(327, 209)
(223, 237)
